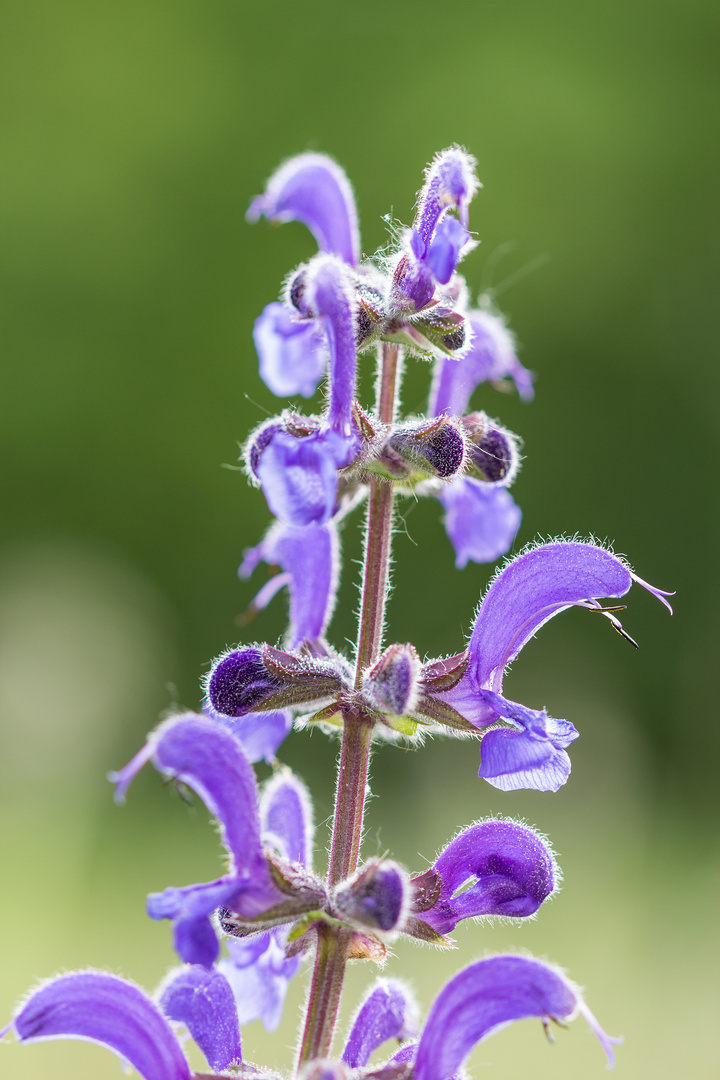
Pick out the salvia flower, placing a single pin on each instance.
(527, 592)
(495, 867)
(487, 996)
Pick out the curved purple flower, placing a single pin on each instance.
(529, 591)
(309, 558)
(200, 753)
(487, 996)
(388, 1012)
(94, 1006)
(203, 1001)
(313, 189)
(491, 868)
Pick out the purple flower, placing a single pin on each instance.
(292, 353)
(104, 1009)
(203, 1002)
(200, 753)
(259, 734)
(436, 242)
(526, 593)
(375, 897)
(309, 558)
(487, 996)
(388, 1012)
(298, 469)
(481, 519)
(491, 868)
(257, 968)
(314, 190)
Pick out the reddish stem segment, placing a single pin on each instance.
(333, 943)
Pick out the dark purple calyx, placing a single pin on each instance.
(375, 897)
(493, 452)
(432, 448)
(391, 684)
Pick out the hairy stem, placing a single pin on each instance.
(333, 943)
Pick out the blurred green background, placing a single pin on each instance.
(133, 136)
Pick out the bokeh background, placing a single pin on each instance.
(134, 134)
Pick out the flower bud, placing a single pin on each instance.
(256, 679)
(239, 682)
(493, 451)
(391, 685)
(435, 447)
(376, 897)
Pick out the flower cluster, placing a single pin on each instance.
(242, 937)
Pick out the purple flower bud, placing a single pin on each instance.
(491, 868)
(431, 448)
(375, 897)
(450, 180)
(392, 684)
(493, 451)
(239, 681)
(324, 1069)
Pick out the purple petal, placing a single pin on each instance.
(292, 353)
(491, 357)
(510, 760)
(513, 869)
(202, 754)
(445, 249)
(481, 520)
(286, 815)
(299, 476)
(260, 734)
(330, 295)
(101, 1008)
(310, 556)
(190, 908)
(313, 189)
(388, 1012)
(260, 985)
(485, 997)
(203, 1001)
(450, 180)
